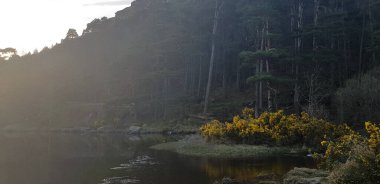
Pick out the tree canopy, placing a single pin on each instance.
(268, 54)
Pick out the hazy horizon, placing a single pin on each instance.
(31, 25)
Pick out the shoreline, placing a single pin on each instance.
(82, 130)
(195, 146)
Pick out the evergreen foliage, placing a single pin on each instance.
(293, 54)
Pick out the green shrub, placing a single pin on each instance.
(358, 99)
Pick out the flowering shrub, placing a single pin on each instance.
(245, 128)
(361, 166)
(350, 157)
(374, 137)
(213, 130)
(337, 150)
(270, 128)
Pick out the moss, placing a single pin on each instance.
(196, 146)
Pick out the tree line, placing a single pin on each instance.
(167, 59)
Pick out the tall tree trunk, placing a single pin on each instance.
(262, 47)
(316, 18)
(269, 95)
(200, 77)
(296, 99)
(153, 102)
(237, 85)
(225, 74)
(371, 31)
(345, 42)
(186, 84)
(297, 106)
(261, 87)
(257, 72)
(218, 7)
(165, 95)
(268, 47)
(361, 48)
(257, 104)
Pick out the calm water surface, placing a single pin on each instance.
(120, 159)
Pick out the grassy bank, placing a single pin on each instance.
(196, 146)
(175, 127)
(305, 175)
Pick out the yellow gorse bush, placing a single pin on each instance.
(270, 127)
(340, 149)
(214, 129)
(341, 145)
(337, 151)
(374, 137)
(279, 128)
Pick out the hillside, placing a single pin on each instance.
(151, 62)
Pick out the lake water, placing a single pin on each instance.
(121, 159)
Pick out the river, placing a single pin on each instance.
(31, 158)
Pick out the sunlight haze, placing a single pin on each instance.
(29, 25)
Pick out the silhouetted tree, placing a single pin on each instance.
(71, 34)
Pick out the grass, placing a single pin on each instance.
(305, 175)
(196, 146)
(182, 126)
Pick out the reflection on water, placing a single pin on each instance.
(140, 161)
(119, 180)
(114, 159)
(252, 170)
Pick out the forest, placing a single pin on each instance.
(166, 60)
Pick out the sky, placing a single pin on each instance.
(33, 24)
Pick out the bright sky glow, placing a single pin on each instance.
(33, 24)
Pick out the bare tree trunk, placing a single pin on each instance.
(297, 52)
(345, 45)
(257, 104)
(269, 95)
(345, 55)
(200, 77)
(361, 48)
(292, 15)
(225, 75)
(257, 83)
(316, 18)
(311, 97)
(218, 7)
(268, 47)
(194, 79)
(237, 85)
(261, 87)
(262, 47)
(185, 86)
(372, 30)
(165, 95)
(297, 93)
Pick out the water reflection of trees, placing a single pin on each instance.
(65, 158)
(250, 170)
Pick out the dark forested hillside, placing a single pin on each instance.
(151, 62)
